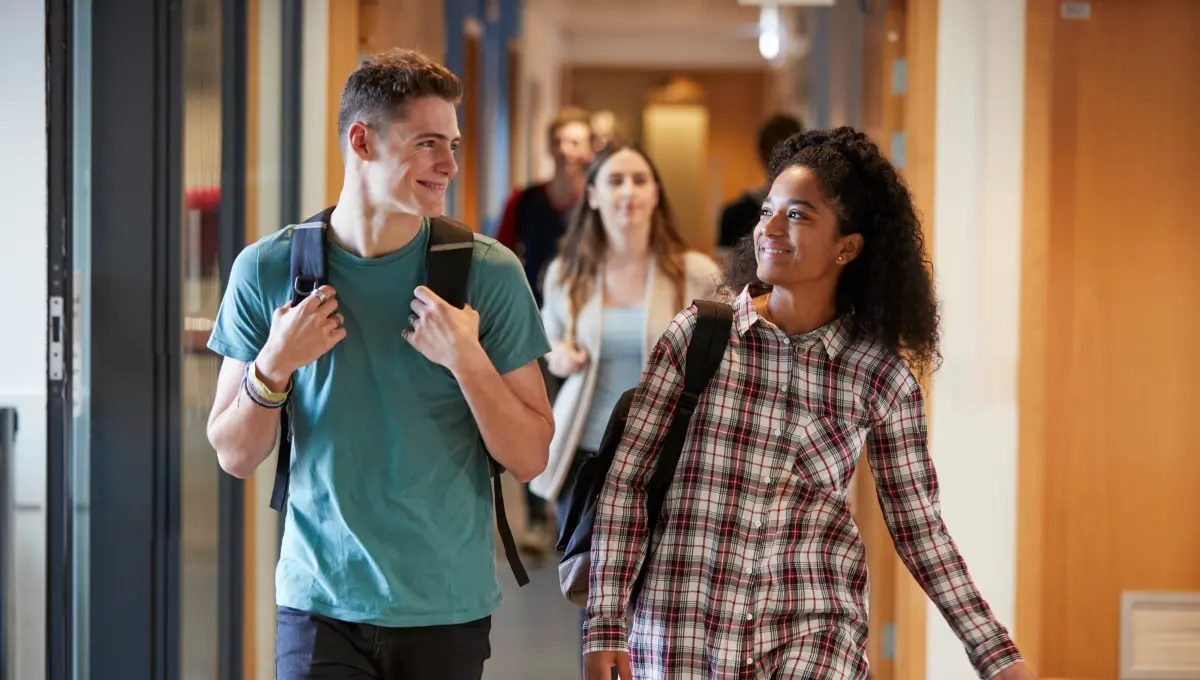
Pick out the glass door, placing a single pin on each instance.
(200, 223)
(146, 166)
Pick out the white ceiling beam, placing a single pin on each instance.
(654, 16)
(664, 51)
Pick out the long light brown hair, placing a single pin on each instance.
(583, 248)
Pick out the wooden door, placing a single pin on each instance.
(1111, 332)
(470, 169)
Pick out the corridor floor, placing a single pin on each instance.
(535, 633)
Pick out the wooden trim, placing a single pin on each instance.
(252, 132)
(250, 650)
(344, 39)
(517, 111)
(1034, 342)
(920, 116)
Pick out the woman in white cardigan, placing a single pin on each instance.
(621, 275)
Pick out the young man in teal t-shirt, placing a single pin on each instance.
(387, 568)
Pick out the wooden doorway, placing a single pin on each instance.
(1110, 324)
(470, 169)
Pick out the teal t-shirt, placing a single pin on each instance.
(389, 517)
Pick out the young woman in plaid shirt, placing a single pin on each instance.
(758, 570)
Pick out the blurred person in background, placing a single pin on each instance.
(758, 570)
(534, 221)
(622, 273)
(604, 129)
(535, 218)
(739, 216)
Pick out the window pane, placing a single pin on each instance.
(201, 291)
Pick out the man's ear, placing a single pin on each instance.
(359, 139)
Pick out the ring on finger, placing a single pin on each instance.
(322, 297)
(341, 320)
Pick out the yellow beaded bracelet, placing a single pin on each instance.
(264, 391)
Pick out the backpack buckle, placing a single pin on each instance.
(305, 285)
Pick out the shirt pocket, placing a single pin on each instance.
(826, 450)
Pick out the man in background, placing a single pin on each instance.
(536, 216)
(739, 216)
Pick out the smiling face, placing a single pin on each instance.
(797, 240)
(571, 147)
(408, 164)
(626, 196)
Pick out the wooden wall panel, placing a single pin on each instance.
(1033, 364)
(344, 39)
(1113, 246)
(884, 42)
(250, 638)
(920, 120)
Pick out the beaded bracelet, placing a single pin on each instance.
(256, 396)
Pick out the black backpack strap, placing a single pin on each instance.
(704, 354)
(308, 273)
(448, 259)
(447, 271)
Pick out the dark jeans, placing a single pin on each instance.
(313, 647)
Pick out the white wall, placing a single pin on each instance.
(23, 340)
(977, 226)
(315, 126)
(541, 79)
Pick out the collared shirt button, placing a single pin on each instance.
(750, 616)
(749, 661)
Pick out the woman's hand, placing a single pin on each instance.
(565, 360)
(1015, 672)
(599, 665)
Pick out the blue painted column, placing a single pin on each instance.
(501, 20)
(502, 26)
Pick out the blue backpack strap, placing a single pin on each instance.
(447, 272)
(308, 273)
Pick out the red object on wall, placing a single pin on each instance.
(207, 202)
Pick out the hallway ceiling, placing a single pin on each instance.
(677, 33)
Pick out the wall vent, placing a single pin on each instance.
(1160, 636)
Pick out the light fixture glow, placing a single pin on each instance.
(768, 45)
(770, 33)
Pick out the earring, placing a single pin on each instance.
(840, 260)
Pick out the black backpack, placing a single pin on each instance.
(447, 266)
(704, 355)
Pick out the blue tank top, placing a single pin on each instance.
(618, 369)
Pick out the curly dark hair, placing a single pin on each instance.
(885, 294)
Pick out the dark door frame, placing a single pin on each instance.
(133, 510)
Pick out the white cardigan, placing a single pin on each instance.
(701, 278)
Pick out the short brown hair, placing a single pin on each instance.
(380, 89)
(568, 115)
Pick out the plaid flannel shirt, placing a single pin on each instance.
(756, 550)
